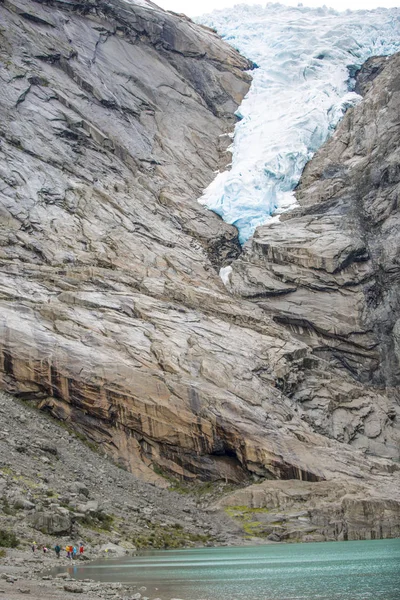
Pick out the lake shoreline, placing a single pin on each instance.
(23, 570)
(220, 573)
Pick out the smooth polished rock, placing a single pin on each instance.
(113, 315)
(328, 271)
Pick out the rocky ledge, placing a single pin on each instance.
(113, 317)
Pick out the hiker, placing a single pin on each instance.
(74, 552)
(57, 550)
(81, 549)
(33, 546)
(44, 550)
(67, 551)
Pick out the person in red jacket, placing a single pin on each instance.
(81, 549)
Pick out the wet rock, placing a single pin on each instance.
(368, 72)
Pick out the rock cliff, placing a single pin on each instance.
(114, 117)
(329, 271)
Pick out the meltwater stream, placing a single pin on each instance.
(366, 570)
(306, 60)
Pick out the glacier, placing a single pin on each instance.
(305, 61)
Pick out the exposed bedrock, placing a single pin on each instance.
(329, 271)
(326, 511)
(113, 120)
(112, 314)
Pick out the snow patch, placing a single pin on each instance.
(300, 91)
(225, 274)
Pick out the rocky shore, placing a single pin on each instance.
(56, 489)
(23, 575)
(54, 486)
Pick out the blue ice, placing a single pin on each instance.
(300, 91)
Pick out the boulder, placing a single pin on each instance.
(112, 549)
(48, 447)
(128, 546)
(91, 506)
(53, 524)
(79, 488)
(73, 588)
(22, 503)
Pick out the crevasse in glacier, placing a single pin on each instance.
(300, 90)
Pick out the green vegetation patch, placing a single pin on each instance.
(98, 521)
(6, 470)
(21, 479)
(8, 510)
(173, 536)
(247, 518)
(8, 539)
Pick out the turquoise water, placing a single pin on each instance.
(367, 570)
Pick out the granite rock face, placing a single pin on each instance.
(113, 118)
(325, 511)
(329, 271)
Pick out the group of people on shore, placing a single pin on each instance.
(72, 551)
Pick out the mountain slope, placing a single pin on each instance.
(113, 316)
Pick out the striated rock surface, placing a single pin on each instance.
(329, 270)
(112, 314)
(299, 511)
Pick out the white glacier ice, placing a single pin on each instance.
(301, 88)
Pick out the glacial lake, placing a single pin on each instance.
(367, 570)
